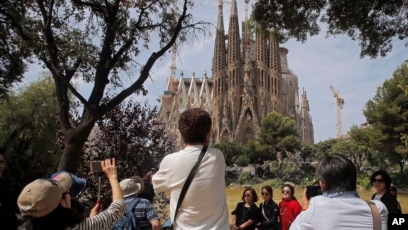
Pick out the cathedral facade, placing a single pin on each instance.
(250, 78)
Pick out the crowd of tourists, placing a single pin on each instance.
(194, 178)
(332, 202)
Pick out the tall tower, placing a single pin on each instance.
(219, 79)
(234, 78)
(253, 81)
(306, 128)
(290, 87)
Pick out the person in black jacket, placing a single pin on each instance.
(246, 214)
(381, 181)
(269, 211)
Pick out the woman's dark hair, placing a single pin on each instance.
(253, 192)
(394, 189)
(337, 173)
(291, 188)
(194, 125)
(386, 178)
(268, 189)
(60, 218)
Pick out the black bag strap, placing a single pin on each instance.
(188, 181)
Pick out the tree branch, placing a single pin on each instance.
(149, 64)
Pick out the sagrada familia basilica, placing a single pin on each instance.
(250, 78)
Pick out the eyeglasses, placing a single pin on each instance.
(285, 191)
(247, 195)
(265, 193)
(377, 180)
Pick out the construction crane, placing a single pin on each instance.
(174, 46)
(339, 105)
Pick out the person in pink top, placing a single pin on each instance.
(289, 207)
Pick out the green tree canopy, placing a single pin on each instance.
(11, 56)
(374, 24)
(350, 149)
(387, 113)
(323, 148)
(230, 150)
(278, 133)
(403, 84)
(366, 139)
(256, 152)
(28, 131)
(99, 42)
(284, 171)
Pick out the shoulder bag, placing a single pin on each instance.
(376, 215)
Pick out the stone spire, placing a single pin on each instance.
(234, 43)
(219, 61)
(284, 60)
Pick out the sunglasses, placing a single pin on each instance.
(285, 191)
(247, 195)
(377, 180)
(265, 193)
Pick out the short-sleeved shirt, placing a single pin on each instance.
(205, 203)
(144, 212)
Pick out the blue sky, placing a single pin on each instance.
(318, 63)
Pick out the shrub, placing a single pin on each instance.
(245, 178)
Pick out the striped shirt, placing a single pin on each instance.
(144, 212)
(105, 219)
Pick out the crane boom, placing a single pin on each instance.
(339, 107)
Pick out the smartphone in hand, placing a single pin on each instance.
(96, 166)
(312, 191)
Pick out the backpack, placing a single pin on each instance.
(129, 220)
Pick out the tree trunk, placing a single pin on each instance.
(74, 142)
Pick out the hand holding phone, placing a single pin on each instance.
(96, 167)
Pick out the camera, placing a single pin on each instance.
(96, 166)
(312, 191)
